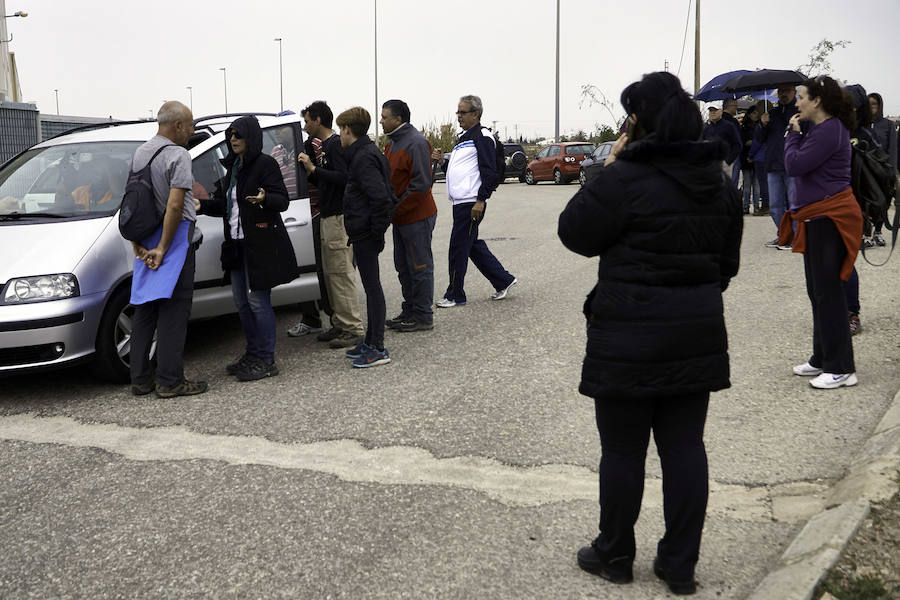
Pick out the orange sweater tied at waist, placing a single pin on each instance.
(843, 210)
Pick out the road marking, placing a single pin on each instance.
(351, 461)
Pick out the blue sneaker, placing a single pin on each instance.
(358, 350)
(372, 358)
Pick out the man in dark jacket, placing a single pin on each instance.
(729, 113)
(884, 131)
(368, 203)
(723, 129)
(329, 174)
(409, 155)
(257, 254)
(773, 125)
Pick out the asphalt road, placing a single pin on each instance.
(464, 469)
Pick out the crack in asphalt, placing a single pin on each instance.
(350, 461)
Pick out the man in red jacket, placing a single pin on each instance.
(409, 155)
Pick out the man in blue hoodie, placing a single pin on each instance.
(773, 126)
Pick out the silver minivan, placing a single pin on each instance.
(65, 272)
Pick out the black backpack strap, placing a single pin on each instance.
(893, 229)
(152, 158)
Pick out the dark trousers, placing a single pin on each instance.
(464, 244)
(851, 292)
(255, 312)
(677, 423)
(366, 253)
(415, 267)
(763, 180)
(169, 318)
(312, 309)
(822, 260)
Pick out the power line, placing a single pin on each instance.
(684, 41)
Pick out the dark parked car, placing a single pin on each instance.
(559, 163)
(593, 163)
(515, 160)
(437, 168)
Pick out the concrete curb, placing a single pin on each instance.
(871, 477)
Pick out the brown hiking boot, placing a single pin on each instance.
(185, 388)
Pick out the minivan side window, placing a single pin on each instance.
(209, 173)
(280, 143)
(543, 153)
(554, 151)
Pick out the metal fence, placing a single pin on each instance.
(19, 128)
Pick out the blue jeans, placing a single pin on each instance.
(414, 262)
(736, 171)
(464, 244)
(751, 189)
(256, 314)
(781, 193)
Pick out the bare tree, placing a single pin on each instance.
(591, 94)
(818, 57)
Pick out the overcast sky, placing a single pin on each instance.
(124, 57)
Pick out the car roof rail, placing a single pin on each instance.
(239, 114)
(101, 125)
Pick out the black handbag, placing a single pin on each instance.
(230, 255)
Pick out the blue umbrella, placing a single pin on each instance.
(712, 90)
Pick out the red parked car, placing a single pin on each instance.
(559, 163)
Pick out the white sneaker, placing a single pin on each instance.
(806, 370)
(500, 295)
(830, 381)
(447, 303)
(302, 328)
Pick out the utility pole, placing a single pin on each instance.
(57, 101)
(697, 49)
(191, 92)
(225, 83)
(377, 114)
(666, 66)
(280, 75)
(556, 127)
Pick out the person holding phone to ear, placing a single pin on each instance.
(257, 254)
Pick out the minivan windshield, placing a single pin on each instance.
(71, 180)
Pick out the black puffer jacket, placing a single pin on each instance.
(270, 255)
(667, 225)
(368, 197)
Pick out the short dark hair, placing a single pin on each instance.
(836, 101)
(662, 107)
(357, 119)
(319, 110)
(398, 108)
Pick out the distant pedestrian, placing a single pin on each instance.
(829, 223)
(748, 171)
(409, 155)
(471, 179)
(328, 172)
(666, 224)
(167, 315)
(368, 203)
(729, 114)
(884, 131)
(257, 254)
(773, 124)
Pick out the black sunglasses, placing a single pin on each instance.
(464, 112)
(233, 132)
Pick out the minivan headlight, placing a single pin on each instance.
(40, 288)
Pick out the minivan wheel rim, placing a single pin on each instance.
(529, 176)
(557, 176)
(123, 333)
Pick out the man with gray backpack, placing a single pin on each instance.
(162, 288)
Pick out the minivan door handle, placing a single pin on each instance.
(292, 223)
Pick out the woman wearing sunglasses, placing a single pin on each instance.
(257, 254)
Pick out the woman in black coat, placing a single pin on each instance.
(257, 254)
(667, 225)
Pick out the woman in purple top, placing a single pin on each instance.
(819, 162)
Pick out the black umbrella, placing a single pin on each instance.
(764, 79)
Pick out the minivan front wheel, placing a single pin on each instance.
(113, 349)
(558, 177)
(529, 177)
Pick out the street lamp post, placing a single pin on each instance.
(377, 112)
(18, 13)
(57, 101)
(191, 92)
(225, 83)
(280, 75)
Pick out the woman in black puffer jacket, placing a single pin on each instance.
(667, 225)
